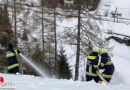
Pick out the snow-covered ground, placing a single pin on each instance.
(24, 82)
(121, 59)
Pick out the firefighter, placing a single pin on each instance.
(107, 66)
(92, 65)
(13, 66)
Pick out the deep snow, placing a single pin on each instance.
(25, 82)
(121, 60)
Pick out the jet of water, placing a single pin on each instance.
(33, 65)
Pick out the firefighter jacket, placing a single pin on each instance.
(107, 65)
(11, 57)
(92, 64)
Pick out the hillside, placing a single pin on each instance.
(119, 52)
(25, 82)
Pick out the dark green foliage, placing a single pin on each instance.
(3, 41)
(6, 35)
(38, 57)
(64, 69)
(38, 54)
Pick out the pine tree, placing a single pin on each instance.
(6, 35)
(64, 69)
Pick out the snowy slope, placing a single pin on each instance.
(117, 28)
(36, 83)
(121, 60)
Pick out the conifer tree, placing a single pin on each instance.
(6, 35)
(64, 69)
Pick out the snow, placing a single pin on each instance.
(117, 28)
(121, 60)
(120, 57)
(27, 82)
(120, 81)
(123, 7)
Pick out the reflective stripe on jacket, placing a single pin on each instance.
(11, 58)
(91, 71)
(92, 64)
(107, 65)
(10, 54)
(12, 66)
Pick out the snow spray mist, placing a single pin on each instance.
(34, 66)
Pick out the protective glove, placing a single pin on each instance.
(18, 51)
(100, 67)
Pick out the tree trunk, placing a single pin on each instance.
(78, 45)
(55, 40)
(43, 40)
(15, 28)
(42, 29)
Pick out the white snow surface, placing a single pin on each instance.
(121, 60)
(123, 7)
(26, 82)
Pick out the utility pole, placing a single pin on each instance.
(115, 15)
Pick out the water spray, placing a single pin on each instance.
(33, 65)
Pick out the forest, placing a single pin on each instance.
(33, 29)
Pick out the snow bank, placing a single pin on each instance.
(27, 82)
(121, 60)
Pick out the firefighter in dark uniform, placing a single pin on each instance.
(13, 66)
(92, 65)
(107, 65)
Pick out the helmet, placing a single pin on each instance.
(96, 49)
(103, 51)
(10, 46)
